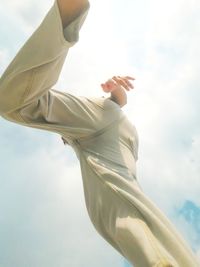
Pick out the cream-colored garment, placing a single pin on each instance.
(104, 140)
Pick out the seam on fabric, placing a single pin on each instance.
(19, 115)
(29, 86)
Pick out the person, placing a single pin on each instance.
(104, 140)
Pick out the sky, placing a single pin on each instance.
(43, 218)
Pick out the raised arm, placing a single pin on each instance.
(118, 86)
(37, 65)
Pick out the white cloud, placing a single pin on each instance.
(158, 42)
(27, 10)
(198, 254)
(42, 205)
(3, 59)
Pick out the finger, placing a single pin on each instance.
(129, 85)
(111, 83)
(129, 77)
(121, 82)
(128, 82)
(104, 87)
(109, 86)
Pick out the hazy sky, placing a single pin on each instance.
(43, 218)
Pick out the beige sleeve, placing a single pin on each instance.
(37, 65)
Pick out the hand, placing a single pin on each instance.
(117, 82)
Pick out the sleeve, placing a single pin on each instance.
(71, 116)
(26, 93)
(37, 65)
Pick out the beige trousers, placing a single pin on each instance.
(105, 142)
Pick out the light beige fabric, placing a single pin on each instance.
(104, 140)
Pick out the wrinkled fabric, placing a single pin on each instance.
(105, 142)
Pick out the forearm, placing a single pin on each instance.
(70, 9)
(119, 96)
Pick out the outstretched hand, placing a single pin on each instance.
(118, 82)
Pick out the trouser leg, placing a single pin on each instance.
(130, 221)
(140, 246)
(144, 230)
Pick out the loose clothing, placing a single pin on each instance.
(105, 141)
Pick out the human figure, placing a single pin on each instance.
(105, 142)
